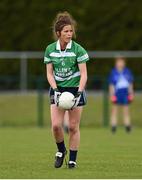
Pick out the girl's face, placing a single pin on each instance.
(120, 64)
(66, 34)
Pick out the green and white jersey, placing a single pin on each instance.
(65, 63)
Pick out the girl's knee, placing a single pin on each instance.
(56, 127)
(73, 128)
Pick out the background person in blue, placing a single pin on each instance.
(121, 92)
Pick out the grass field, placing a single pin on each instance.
(21, 110)
(29, 153)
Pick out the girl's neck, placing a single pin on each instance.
(120, 70)
(63, 45)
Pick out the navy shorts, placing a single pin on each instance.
(72, 90)
(122, 99)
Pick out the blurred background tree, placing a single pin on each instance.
(26, 25)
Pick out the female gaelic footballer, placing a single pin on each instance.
(66, 71)
(121, 92)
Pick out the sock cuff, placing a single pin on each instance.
(60, 142)
(73, 150)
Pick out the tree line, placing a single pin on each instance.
(26, 25)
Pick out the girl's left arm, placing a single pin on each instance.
(131, 88)
(83, 76)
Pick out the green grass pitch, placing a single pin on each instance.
(29, 153)
(21, 110)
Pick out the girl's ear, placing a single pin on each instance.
(58, 33)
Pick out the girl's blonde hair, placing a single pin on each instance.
(63, 19)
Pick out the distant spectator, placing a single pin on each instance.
(66, 122)
(121, 92)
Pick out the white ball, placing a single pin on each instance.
(66, 100)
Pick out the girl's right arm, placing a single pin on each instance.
(50, 75)
(111, 90)
(113, 98)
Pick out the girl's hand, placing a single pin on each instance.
(113, 99)
(130, 97)
(57, 94)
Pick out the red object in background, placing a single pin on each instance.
(130, 97)
(113, 99)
